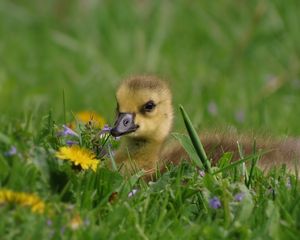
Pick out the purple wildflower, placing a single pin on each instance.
(212, 108)
(11, 152)
(201, 173)
(215, 203)
(49, 223)
(71, 143)
(239, 197)
(68, 132)
(240, 116)
(62, 230)
(106, 129)
(132, 193)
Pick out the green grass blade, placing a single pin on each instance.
(253, 164)
(112, 158)
(234, 164)
(243, 167)
(195, 140)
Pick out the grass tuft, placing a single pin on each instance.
(230, 63)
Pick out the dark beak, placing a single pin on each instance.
(124, 125)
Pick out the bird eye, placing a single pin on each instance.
(149, 106)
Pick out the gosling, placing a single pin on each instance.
(145, 118)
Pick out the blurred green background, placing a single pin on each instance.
(230, 63)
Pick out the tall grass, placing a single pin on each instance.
(230, 63)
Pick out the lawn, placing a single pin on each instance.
(231, 64)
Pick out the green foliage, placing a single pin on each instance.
(179, 204)
(230, 63)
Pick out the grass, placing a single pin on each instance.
(230, 63)
(184, 202)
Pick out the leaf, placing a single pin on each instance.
(195, 140)
(186, 143)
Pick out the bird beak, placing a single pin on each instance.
(124, 125)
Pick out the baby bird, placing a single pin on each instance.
(145, 118)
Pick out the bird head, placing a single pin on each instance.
(144, 109)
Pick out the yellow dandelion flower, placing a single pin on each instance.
(79, 156)
(23, 199)
(89, 116)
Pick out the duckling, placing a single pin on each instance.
(145, 118)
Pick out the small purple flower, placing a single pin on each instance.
(215, 203)
(239, 197)
(68, 132)
(212, 108)
(201, 173)
(63, 229)
(11, 152)
(49, 223)
(71, 143)
(132, 193)
(106, 129)
(240, 116)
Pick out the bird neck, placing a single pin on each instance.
(136, 154)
